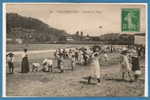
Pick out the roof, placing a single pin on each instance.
(139, 34)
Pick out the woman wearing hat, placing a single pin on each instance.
(25, 62)
(125, 65)
(135, 65)
(95, 67)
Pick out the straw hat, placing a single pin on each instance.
(10, 54)
(124, 52)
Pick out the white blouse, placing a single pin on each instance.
(24, 55)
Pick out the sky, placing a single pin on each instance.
(92, 19)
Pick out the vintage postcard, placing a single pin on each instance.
(75, 50)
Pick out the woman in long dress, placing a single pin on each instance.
(95, 67)
(125, 66)
(25, 62)
(135, 65)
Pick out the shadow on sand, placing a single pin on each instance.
(86, 83)
(119, 80)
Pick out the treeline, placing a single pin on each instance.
(117, 38)
(27, 27)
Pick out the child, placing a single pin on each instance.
(10, 58)
(48, 64)
(73, 62)
(60, 64)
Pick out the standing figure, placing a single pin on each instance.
(95, 67)
(106, 56)
(125, 65)
(25, 62)
(10, 59)
(55, 54)
(85, 58)
(73, 62)
(60, 64)
(136, 67)
(81, 57)
(76, 55)
(135, 63)
(129, 18)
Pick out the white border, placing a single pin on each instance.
(4, 50)
(4, 40)
(146, 56)
(76, 3)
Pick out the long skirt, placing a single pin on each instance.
(25, 65)
(136, 66)
(95, 69)
(125, 68)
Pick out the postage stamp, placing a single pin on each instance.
(130, 20)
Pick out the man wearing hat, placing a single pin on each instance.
(10, 60)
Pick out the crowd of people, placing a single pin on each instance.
(87, 57)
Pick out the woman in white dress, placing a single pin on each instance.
(125, 66)
(95, 67)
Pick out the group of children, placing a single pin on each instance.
(80, 55)
(85, 56)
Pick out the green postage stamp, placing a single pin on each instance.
(130, 20)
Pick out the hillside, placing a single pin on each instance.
(35, 30)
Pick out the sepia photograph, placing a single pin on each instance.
(75, 50)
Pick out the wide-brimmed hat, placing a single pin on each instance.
(10, 54)
(95, 54)
(25, 49)
(124, 52)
